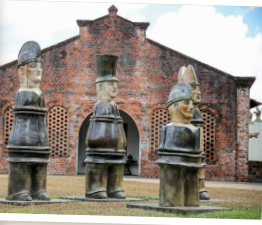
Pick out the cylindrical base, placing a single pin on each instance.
(201, 175)
(104, 177)
(178, 186)
(27, 181)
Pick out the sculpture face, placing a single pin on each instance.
(181, 111)
(106, 90)
(110, 88)
(196, 94)
(33, 72)
(30, 74)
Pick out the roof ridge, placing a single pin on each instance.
(137, 24)
(204, 64)
(59, 44)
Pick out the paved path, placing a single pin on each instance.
(221, 184)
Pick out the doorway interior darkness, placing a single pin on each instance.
(132, 148)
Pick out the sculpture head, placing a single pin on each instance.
(188, 75)
(106, 82)
(180, 103)
(30, 65)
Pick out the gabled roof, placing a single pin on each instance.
(250, 79)
(44, 50)
(112, 9)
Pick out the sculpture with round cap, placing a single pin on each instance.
(179, 153)
(105, 139)
(28, 146)
(188, 75)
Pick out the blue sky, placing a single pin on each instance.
(252, 16)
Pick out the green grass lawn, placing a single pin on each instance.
(246, 204)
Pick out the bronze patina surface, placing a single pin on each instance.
(105, 140)
(179, 153)
(28, 146)
(188, 75)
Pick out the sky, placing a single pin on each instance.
(226, 37)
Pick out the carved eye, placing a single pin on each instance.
(32, 65)
(186, 102)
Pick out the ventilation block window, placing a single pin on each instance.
(159, 118)
(58, 122)
(8, 121)
(209, 136)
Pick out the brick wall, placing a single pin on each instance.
(146, 71)
(243, 92)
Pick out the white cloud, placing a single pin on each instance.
(202, 33)
(137, 18)
(49, 22)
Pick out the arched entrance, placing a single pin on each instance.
(132, 147)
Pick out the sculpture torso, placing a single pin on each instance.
(180, 138)
(106, 133)
(179, 145)
(29, 130)
(104, 109)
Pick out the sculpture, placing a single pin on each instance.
(258, 114)
(255, 135)
(179, 153)
(28, 146)
(188, 75)
(105, 138)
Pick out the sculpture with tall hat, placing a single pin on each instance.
(188, 75)
(28, 146)
(105, 139)
(179, 153)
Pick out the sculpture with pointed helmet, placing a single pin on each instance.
(28, 146)
(258, 114)
(188, 75)
(105, 139)
(179, 153)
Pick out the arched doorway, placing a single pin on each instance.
(132, 147)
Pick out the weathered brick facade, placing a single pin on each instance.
(146, 71)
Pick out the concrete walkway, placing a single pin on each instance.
(219, 184)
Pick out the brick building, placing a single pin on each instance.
(146, 71)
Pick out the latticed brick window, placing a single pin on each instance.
(209, 136)
(8, 121)
(159, 118)
(58, 121)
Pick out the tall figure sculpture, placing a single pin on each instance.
(179, 153)
(105, 140)
(188, 75)
(28, 146)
